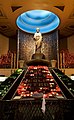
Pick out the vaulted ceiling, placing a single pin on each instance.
(11, 9)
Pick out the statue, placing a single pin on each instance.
(38, 58)
(38, 41)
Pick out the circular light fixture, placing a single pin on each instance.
(45, 20)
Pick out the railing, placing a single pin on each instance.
(31, 110)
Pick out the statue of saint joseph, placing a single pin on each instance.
(38, 41)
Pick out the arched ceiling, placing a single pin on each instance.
(11, 9)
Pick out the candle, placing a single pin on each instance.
(11, 60)
(14, 59)
(61, 60)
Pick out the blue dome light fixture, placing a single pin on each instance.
(45, 20)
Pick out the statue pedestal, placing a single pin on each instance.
(38, 59)
(38, 56)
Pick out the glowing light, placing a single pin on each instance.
(45, 20)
